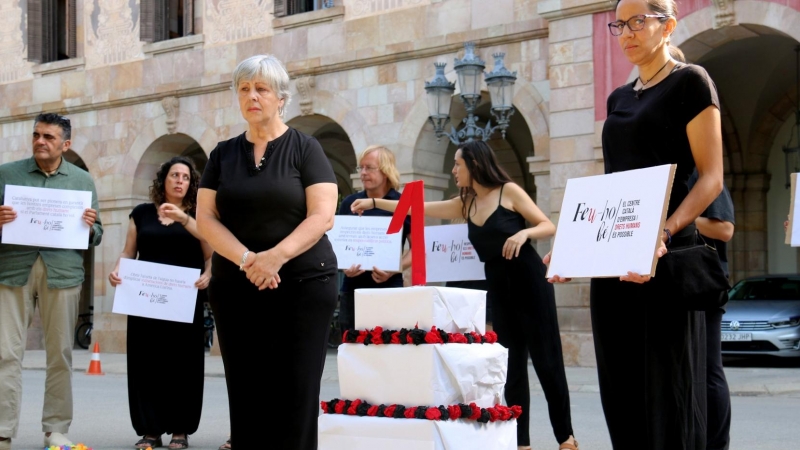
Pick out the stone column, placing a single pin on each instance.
(572, 146)
(539, 167)
(737, 256)
(755, 223)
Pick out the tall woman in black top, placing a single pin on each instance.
(266, 199)
(651, 371)
(167, 399)
(524, 306)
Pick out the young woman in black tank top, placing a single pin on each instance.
(524, 308)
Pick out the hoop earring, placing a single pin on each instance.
(280, 111)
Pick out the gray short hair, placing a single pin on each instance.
(267, 68)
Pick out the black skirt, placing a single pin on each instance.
(651, 365)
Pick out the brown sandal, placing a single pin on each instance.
(146, 442)
(568, 446)
(226, 445)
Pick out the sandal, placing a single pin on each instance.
(225, 446)
(146, 442)
(177, 443)
(568, 446)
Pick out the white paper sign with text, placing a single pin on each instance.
(47, 217)
(611, 224)
(363, 240)
(157, 291)
(450, 256)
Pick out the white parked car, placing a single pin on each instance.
(762, 317)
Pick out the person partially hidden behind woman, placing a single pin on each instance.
(379, 175)
(524, 306)
(165, 232)
(266, 199)
(653, 387)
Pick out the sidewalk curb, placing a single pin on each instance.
(742, 381)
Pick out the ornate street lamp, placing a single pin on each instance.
(469, 70)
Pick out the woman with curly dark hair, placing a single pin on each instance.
(165, 232)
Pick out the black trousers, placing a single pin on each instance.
(273, 345)
(525, 320)
(651, 368)
(718, 395)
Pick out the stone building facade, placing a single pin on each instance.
(359, 68)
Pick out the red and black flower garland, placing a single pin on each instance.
(453, 412)
(416, 336)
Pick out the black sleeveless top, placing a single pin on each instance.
(488, 240)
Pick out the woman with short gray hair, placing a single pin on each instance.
(266, 199)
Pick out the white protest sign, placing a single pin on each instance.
(47, 217)
(157, 291)
(450, 256)
(611, 224)
(363, 240)
(793, 230)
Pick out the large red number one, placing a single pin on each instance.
(412, 199)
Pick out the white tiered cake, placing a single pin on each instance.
(438, 375)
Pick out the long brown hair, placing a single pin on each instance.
(483, 169)
(159, 196)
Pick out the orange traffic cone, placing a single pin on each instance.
(94, 365)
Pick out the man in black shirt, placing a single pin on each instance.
(381, 180)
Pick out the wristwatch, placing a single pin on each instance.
(244, 260)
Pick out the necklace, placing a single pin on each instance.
(266, 156)
(644, 83)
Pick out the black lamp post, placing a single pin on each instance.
(469, 69)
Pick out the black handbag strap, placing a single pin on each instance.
(701, 240)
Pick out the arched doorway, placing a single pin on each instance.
(511, 152)
(158, 152)
(161, 150)
(755, 77)
(337, 146)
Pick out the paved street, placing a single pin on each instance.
(766, 401)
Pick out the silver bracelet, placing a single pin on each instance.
(244, 260)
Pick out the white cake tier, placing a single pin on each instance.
(423, 375)
(450, 309)
(339, 432)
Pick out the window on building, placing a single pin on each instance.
(165, 19)
(51, 30)
(291, 7)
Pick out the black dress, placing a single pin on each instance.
(652, 369)
(525, 320)
(273, 342)
(166, 360)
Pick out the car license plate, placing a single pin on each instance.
(736, 337)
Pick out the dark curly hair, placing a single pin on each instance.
(157, 194)
(483, 169)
